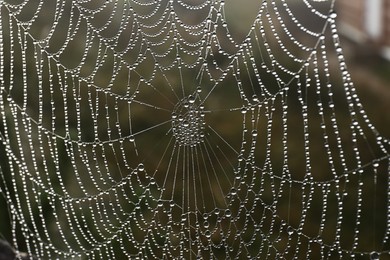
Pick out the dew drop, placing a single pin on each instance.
(333, 15)
(206, 224)
(228, 213)
(374, 255)
(191, 99)
(254, 133)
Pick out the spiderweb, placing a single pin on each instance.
(171, 129)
